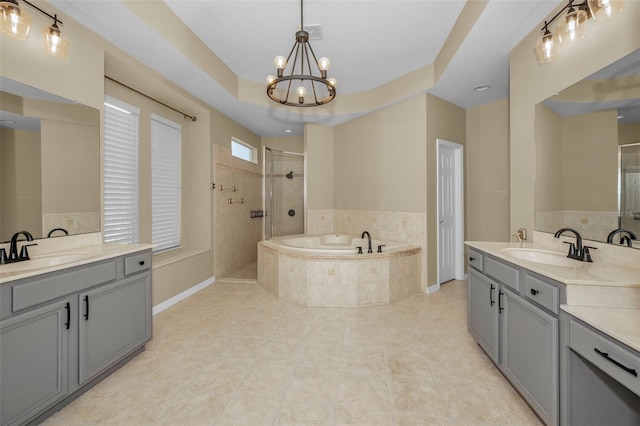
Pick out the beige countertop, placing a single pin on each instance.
(598, 273)
(621, 324)
(88, 253)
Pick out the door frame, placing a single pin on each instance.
(459, 208)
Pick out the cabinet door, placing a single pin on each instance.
(33, 361)
(483, 313)
(529, 353)
(114, 320)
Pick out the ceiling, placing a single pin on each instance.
(370, 43)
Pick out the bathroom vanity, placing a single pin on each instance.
(519, 314)
(65, 327)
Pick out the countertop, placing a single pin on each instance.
(90, 253)
(598, 273)
(621, 323)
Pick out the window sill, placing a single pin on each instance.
(173, 256)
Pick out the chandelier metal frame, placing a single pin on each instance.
(301, 63)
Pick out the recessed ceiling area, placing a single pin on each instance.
(221, 51)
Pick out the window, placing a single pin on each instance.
(165, 183)
(244, 151)
(120, 171)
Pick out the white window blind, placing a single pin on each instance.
(165, 175)
(120, 171)
(244, 151)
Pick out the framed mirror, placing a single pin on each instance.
(588, 155)
(49, 163)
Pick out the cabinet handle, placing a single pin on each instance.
(68, 308)
(534, 291)
(471, 259)
(86, 311)
(493, 302)
(616, 363)
(141, 263)
(500, 308)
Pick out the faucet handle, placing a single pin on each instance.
(359, 249)
(586, 254)
(572, 247)
(24, 254)
(380, 247)
(3, 256)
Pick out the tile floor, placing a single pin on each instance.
(235, 354)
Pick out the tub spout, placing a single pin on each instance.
(369, 237)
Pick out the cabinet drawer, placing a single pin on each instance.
(476, 260)
(56, 285)
(616, 361)
(542, 293)
(137, 263)
(507, 275)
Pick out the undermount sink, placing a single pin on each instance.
(546, 257)
(42, 261)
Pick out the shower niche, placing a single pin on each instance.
(284, 193)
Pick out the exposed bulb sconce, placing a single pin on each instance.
(16, 22)
(301, 79)
(572, 27)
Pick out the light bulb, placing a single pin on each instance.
(270, 79)
(55, 43)
(324, 63)
(14, 21)
(572, 28)
(546, 47)
(301, 91)
(604, 9)
(280, 62)
(333, 82)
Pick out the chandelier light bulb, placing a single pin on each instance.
(270, 79)
(14, 21)
(333, 82)
(301, 91)
(280, 62)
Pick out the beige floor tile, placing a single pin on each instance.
(266, 381)
(305, 414)
(191, 408)
(409, 419)
(322, 355)
(243, 411)
(364, 358)
(313, 385)
(364, 390)
(412, 364)
(418, 396)
(480, 405)
(359, 417)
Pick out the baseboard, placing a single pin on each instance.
(181, 296)
(433, 288)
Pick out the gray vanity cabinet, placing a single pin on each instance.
(61, 332)
(529, 353)
(113, 320)
(483, 313)
(33, 363)
(518, 333)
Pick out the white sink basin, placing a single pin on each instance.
(42, 261)
(546, 257)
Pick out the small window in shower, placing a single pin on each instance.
(244, 151)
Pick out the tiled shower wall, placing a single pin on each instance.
(236, 233)
(592, 225)
(410, 228)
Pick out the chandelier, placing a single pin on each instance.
(308, 89)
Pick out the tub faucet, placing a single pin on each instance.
(369, 237)
(576, 251)
(13, 248)
(623, 238)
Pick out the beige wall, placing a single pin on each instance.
(380, 159)
(628, 133)
(548, 133)
(589, 155)
(21, 201)
(530, 83)
(487, 172)
(319, 149)
(285, 143)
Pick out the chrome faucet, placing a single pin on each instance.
(368, 236)
(13, 247)
(623, 238)
(576, 251)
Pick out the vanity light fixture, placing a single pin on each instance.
(16, 22)
(572, 27)
(321, 90)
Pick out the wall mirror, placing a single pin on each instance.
(49, 163)
(588, 155)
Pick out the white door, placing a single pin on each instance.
(446, 213)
